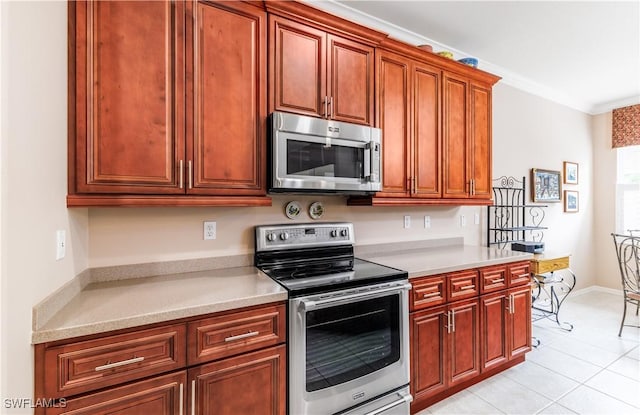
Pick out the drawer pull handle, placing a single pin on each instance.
(433, 294)
(524, 275)
(468, 287)
(118, 364)
(497, 280)
(241, 336)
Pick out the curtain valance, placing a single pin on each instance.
(626, 126)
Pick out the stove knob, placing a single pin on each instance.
(284, 236)
(271, 237)
(334, 233)
(344, 232)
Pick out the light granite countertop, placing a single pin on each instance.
(437, 260)
(114, 298)
(113, 305)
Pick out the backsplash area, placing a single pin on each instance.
(131, 236)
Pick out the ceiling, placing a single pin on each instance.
(583, 54)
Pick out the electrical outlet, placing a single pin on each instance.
(61, 244)
(427, 222)
(463, 221)
(407, 221)
(209, 230)
(476, 219)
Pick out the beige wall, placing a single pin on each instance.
(604, 186)
(528, 132)
(34, 141)
(531, 132)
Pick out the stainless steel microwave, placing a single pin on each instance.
(323, 156)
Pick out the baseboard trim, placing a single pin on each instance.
(596, 288)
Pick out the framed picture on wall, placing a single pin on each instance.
(570, 172)
(546, 185)
(571, 201)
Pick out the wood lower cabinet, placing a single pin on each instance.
(252, 383)
(162, 395)
(445, 347)
(167, 103)
(460, 341)
(506, 315)
(231, 362)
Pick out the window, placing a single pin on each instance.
(628, 189)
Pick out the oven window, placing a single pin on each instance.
(314, 159)
(348, 341)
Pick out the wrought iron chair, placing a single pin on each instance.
(628, 252)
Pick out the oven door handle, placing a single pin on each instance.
(403, 399)
(307, 305)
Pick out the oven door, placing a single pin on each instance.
(347, 347)
(324, 156)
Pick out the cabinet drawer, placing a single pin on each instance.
(234, 333)
(520, 273)
(493, 278)
(160, 395)
(548, 265)
(92, 364)
(428, 292)
(463, 284)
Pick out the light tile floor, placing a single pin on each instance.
(589, 370)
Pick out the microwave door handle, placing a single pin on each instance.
(367, 162)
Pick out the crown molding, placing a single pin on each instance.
(508, 77)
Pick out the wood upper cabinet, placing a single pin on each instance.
(252, 383)
(314, 72)
(408, 111)
(393, 107)
(456, 146)
(435, 116)
(128, 87)
(167, 103)
(480, 130)
(466, 138)
(227, 154)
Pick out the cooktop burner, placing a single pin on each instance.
(315, 258)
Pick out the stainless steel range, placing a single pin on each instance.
(348, 328)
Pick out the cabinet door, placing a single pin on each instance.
(252, 383)
(129, 96)
(228, 151)
(162, 395)
(350, 81)
(426, 131)
(493, 329)
(393, 118)
(464, 342)
(519, 328)
(480, 140)
(297, 68)
(428, 336)
(455, 143)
